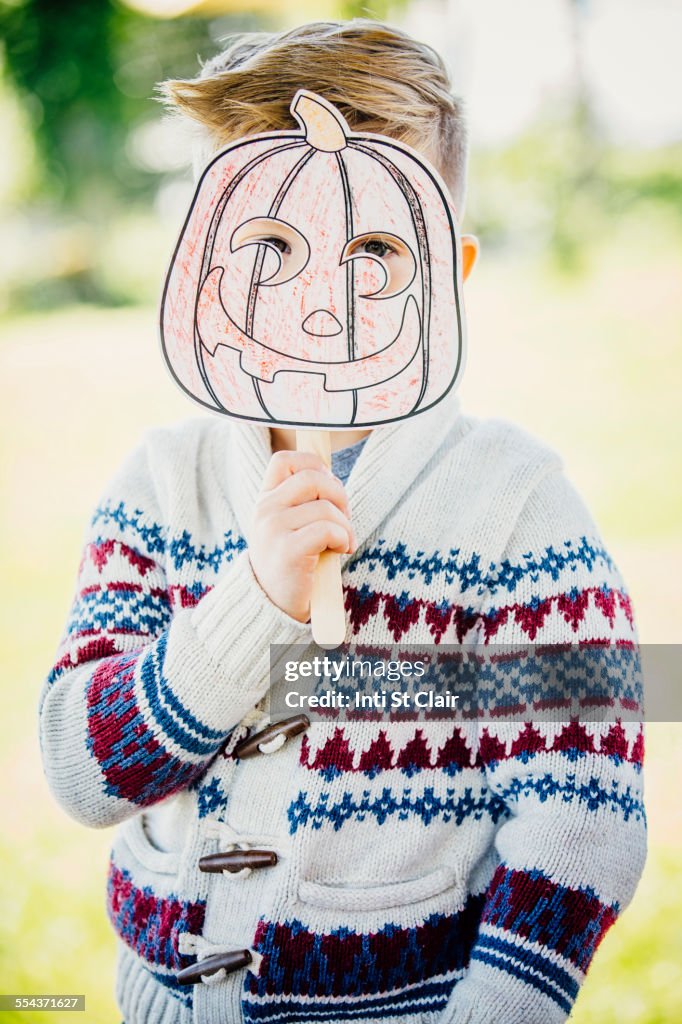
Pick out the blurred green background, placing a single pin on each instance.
(574, 329)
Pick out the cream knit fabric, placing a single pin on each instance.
(426, 872)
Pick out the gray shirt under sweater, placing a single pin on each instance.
(344, 460)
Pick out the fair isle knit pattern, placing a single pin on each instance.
(428, 872)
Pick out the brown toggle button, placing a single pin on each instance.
(235, 860)
(287, 727)
(212, 964)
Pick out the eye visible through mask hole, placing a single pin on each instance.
(289, 245)
(293, 253)
(393, 255)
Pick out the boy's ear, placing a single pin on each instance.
(470, 249)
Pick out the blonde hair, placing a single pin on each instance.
(381, 80)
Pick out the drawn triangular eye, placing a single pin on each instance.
(288, 244)
(394, 256)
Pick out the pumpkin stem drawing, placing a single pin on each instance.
(324, 127)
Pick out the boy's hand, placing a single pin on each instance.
(302, 510)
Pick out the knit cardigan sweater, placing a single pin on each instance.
(427, 871)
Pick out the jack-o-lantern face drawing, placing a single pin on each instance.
(316, 282)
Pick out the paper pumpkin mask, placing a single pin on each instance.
(317, 279)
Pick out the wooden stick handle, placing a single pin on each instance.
(327, 615)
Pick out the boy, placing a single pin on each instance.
(293, 871)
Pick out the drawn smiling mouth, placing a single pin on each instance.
(261, 361)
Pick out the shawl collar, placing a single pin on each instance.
(392, 458)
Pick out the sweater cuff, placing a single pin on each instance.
(237, 622)
(491, 995)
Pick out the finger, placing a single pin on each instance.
(312, 511)
(284, 464)
(311, 485)
(320, 536)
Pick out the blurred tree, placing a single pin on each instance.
(582, 177)
(85, 73)
(563, 186)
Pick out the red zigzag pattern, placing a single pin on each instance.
(337, 756)
(401, 615)
(99, 553)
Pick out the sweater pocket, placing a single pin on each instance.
(386, 896)
(151, 857)
(391, 952)
(149, 911)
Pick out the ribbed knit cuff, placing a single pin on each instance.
(237, 622)
(489, 995)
